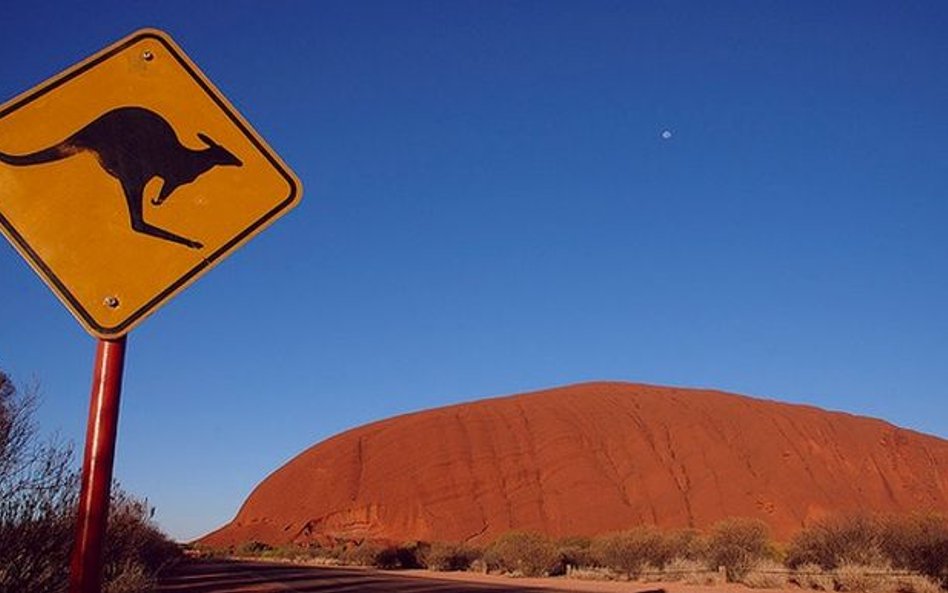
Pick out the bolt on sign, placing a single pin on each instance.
(128, 176)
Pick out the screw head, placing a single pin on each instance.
(111, 302)
(147, 55)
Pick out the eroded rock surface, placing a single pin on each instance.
(589, 459)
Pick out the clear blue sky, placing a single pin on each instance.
(490, 208)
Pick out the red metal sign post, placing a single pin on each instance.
(86, 569)
(147, 92)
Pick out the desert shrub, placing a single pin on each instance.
(361, 554)
(809, 547)
(386, 558)
(767, 574)
(205, 551)
(128, 578)
(479, 566)
(838, 540)
(449, 557)
(374, 554)
(39, 490)
(738, 545)
(687, 544)
(918, 543)
(529, 554)
(252, 548)
(859, 578)
(405, 556)
(575, 552)
(812, 576)
(291, 552)
(313, 554)
(630, 551)
(339, 551)
(135, 549)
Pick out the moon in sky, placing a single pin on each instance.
(666, 134)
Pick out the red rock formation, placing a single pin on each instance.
(589, 459)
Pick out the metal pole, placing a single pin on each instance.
(86, 568)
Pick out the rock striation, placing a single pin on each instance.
(588, 459)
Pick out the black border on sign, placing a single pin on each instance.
(150, 306)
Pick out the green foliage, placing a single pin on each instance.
(738, 545)
(529, 554)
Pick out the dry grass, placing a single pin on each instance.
(858, 578)
(908, 547)
(592, 574)
(690, 572)
(767, 574)
(131, 578)
(812, 576)
(916, 584)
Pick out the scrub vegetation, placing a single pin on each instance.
(39, 488)
(857, 553)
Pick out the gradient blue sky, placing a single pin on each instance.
(490, 208)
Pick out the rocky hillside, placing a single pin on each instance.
(588, 459)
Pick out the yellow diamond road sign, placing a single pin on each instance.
(128, 176)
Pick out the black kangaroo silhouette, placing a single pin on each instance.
(135, 145)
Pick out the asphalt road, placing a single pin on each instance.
(224, 576)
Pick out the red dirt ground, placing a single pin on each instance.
(589, 459)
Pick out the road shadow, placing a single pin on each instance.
(223, 576)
